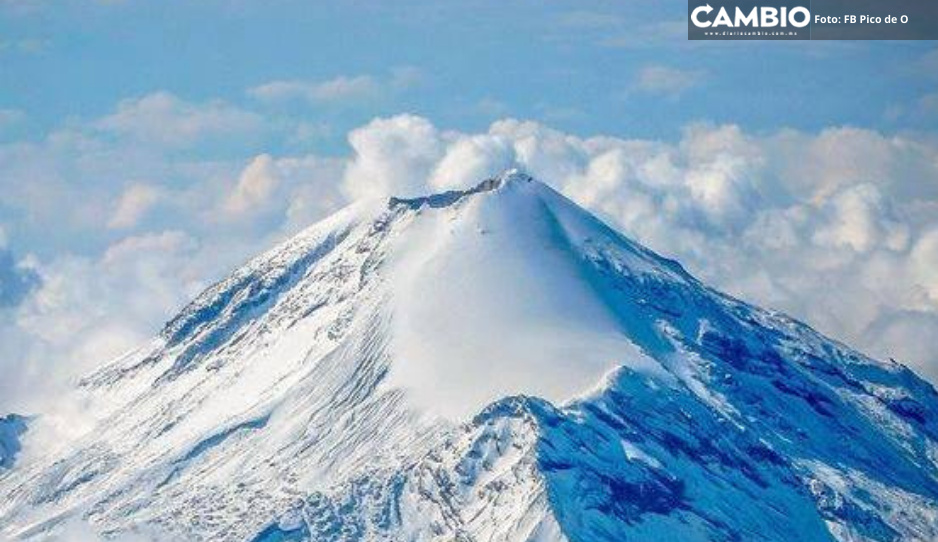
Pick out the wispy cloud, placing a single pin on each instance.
(921, 111)
(255, 186)
(666, 81)
(136, 201)
(340, 89)
(589, 20)
(926, 65)
(928, 103)
(25, 46)
(650, 34)
(17, 278)
(162, 117)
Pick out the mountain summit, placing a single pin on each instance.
(488, 365)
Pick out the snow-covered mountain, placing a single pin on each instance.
(488, 365)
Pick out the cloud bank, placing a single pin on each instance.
(838, 228)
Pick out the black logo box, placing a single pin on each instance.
(829, 20)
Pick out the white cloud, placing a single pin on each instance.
(837, 228)
(164, 119)
(134, 203)
(405, 77)
(924, 263)
(859, 218)
(158, 152)
(93, 292)
(256, 185)
(340, 89)
(87, 311)
(314, 189)
(667, 81)
(490, 107)
(17, 278)
(392, 156)
(916, 112)
(910, 329)
(291, 192)
(470, 159)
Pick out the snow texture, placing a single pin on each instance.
(486, 365)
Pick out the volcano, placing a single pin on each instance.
(486, 365)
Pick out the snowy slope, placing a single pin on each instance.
(487, 365)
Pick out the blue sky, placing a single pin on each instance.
(574, 64)
(146, 148)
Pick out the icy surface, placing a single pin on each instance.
(12, 428)
(488, 365)
(491, 298)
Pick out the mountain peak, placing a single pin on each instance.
(489, 364)
(509, 177)
(506, 178)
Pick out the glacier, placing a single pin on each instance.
(493, 364)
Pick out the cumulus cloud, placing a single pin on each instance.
(924, 262)
(469, 159)
(859, 218)
(288, 191)
(313, 189)
(912, 329)
(70, 312)
(187, 168)
(393, 156)
(837, 228)
(66, 312)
